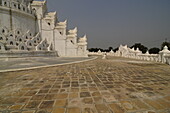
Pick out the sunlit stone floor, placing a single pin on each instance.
(114, 85)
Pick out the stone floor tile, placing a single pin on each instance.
(164, 111)
(58, 110)
(3, 107)
(151, 111)
(49, 97)
(128, 106)
(84, 94)
(15, 107)
(15, 112)
(47, 86)
(154, 104)
(33, 104)
(73, 95)
(93, 89)
(56, 86)
(101, 108)
(64, 90)
(98, 100)
(31, 111)
(62, 96)
(74, 102)
(139, 104)
(37, 97)
(8, 101)
(163, 102)
(61, 103)
(84, 89)
(21, 93)
(87, 100)
(46, 105)
(108, 97)
(167, 98)
(42, 91)
(116, 108)
(23, 100)
(88, 110)
(30, 93)
(41, 111)
(102, 88)
(74, 110)
(96, 94)
(54, 91)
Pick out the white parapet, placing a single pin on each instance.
(124, 51)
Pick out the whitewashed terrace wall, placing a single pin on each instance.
(17, 16)
(162, 57)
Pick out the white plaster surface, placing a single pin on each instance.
(24, 24)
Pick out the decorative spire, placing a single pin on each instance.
(83, 39)
(165, 50)
(72, 31)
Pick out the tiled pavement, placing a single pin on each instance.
(114, 85)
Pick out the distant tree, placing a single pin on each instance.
(102, 50)
(91, 49)
(110, 48)
(116, 49)
(94, 49)
(165, 44)
(106, 50)
(140, 46)
(154, 50)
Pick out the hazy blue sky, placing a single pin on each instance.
(114, 22)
